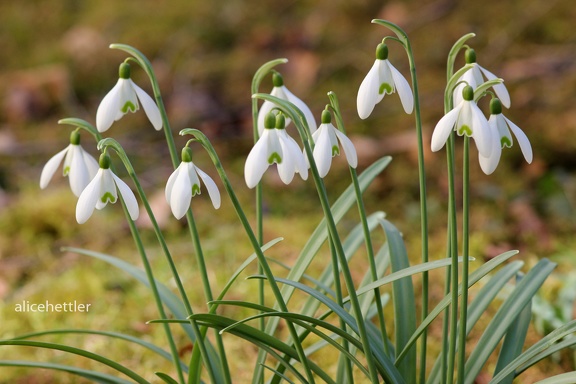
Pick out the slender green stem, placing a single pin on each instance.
(255, 245)
(422, 181)
(465, 253)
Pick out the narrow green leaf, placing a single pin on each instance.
(167, 379)
(505, 316)
(563, 378)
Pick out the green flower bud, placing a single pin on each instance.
(382, 51)
(75, 137)
(280, 121)
(326, 117)
(277, 79)
(186, 155)
(124, 71)
(270, 120)
(468, 93)
(470, 56)
(495, 106)
(104, 161)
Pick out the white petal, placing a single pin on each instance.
(385, 77)
(522, 141)
(323, 151)
(257, 161)
(301, 166)
(107, 187)
(499, 89)
(150, 107)
(481, 131)
(266, 107)
(213, 191)
(489, 164)
(444, 127)
(403, 89)
(79, 176)
(368, 92)
(127, 196)
(181, 193)
(303, 107)
(108, 108)
(88, 198)
(51, 167)
(170, 182)
(287, 167)
(348, 147)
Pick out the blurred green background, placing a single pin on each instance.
(55, 63)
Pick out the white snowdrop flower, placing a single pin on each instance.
(184, 183)
(383, 79)
(123, 98)
(79, 166)
(502, 128)
(274, 146)
(475, 77)
(103, 190)
(326, 146)
(466, 119)
(280, 91)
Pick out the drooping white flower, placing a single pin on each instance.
(326, 146)
(274, 146)
(502, 129)
(79, 166)
(475, 77)
(103, 190)
(383, 79)
(184, 183)
(123, 98)
(466, 119)
(280, 91)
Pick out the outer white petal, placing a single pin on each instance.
(403, 89)
(257, 161)
(108, 108)
(286, 168)
(88, 198)
(171, 180)
(489, 164)
(79, 176)
(213, 191)
(301, 166)
(323, 150)
(51, 167)
(444, 127)
(149, 105)
(127, 196)
(522, 141)
(348, 147)
(499, 89)
(368, 92)
(481, 131)
(181, 193)
(310, 120)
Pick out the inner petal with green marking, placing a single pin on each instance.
(195, 189)
(465, 130)
(335, 150)
(274, 157)
(505, 141)
(66, 170)
(129, 106)
(385, 87)
(108, 197)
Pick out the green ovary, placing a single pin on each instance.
(465, 130)
(505, 141)
(274, 157)
(108, 197)
(385, 87)
(335, 150)
(129, 106)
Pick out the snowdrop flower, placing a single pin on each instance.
(184, 183)
(102, 190)
(281, 92)
(79, 166)
(466, 119)
(326, 140)
(275, 146)
(500, 127)
(383, 79)
(475, 77)
(123, 98)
